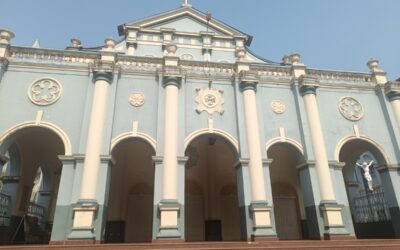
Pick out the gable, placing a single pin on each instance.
(184, 19)
(185, 24)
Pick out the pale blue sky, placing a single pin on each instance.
(329, 34)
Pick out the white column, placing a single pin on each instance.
(253, 142)
(393, 93)
(396, 109)
(95, 135)
(170, 168)
(318, 144)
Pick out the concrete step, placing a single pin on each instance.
(304, 244)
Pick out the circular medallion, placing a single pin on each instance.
(350, 108)
(136, 99)
(278, 106)
(44, 91)
(210, 100)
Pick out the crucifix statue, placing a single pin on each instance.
(367, 176)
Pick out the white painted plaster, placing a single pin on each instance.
(253, 146)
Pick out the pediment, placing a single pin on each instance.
(184, 19)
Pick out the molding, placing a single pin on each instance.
(287, 140)
(207, 131)
(61, 134)
(150, 140)
(346, 139)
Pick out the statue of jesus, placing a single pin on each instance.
(367, 176)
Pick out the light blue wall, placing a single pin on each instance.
(65, 113)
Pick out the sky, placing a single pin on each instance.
(329, 34)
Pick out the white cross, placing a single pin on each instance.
(186, 2)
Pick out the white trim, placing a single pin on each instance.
(205, 131)
(127, 135)
(288, 140)
(346, 139)
(62, 135)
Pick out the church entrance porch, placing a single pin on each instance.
(130, 202)
(290, 218)
(211, 202)
(366, 191)
(30, 176)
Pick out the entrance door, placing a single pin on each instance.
(286, 218)
(213, 230)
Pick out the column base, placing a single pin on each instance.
(75, 242)
(333, 219)
(339, 237)
(262, 226)
(263, 238)
(168, 240)
(83, 224)
(169, 219)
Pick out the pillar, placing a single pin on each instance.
(169, 206)
(87, 206)
(392, 91)
(331, 211)
(260, 210)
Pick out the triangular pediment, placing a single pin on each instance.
(186, 23)
(184, 19)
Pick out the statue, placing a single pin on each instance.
(367, 176)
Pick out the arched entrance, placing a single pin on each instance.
(365, 191)
(30, 178)
(130, 202)
(290, 218)
(211, 202)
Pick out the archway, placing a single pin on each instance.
(211, 202)
(368, 204)
(290, 217)
(130, 203)
(30, 180)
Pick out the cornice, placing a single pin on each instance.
(53, 59)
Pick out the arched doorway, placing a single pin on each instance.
(290, 218)
(365, 190)
(30, 181)
(211, 202)
(130, 202)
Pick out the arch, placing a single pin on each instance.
(126, 135)
(206, 131)
(288, 140)
(42, 124)
(344, 140)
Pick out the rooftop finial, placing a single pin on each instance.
(186, 3)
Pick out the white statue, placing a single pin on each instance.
(365, 166)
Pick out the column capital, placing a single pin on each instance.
(103, 71)
(308, 84)
(392, 90)
(172, 80)
(248, 80)
(102, 75)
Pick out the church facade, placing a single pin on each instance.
(179, 132)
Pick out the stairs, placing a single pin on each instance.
(304, 244)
